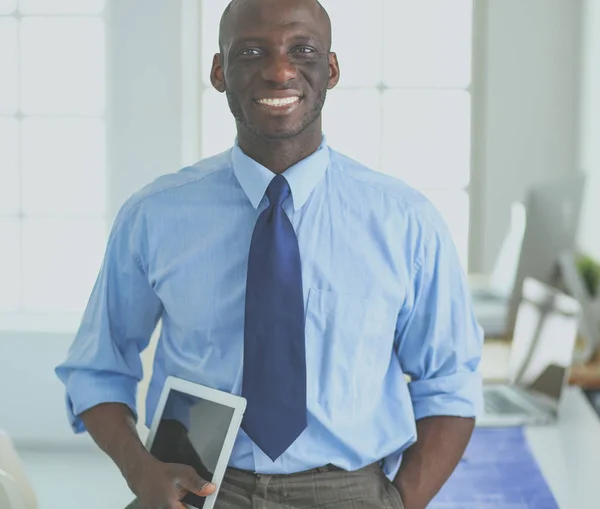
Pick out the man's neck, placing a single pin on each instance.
(279, 155)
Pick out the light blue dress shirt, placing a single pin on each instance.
(385, 297)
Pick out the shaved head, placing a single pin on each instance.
(235, 5)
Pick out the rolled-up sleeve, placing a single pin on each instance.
(439, 340)
(103, 364)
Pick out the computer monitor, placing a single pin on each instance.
(553, 211)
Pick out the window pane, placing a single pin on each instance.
(61, 6)
(63, 66)
(61, 259)
(360, 56)
(454, 208)
(63, 167)
(428, 43)
(218, 126)
(211, 17)
(8, 66)
(352, 124)
(7, 6)
(427, 137)
(9, 167)
(10, 265)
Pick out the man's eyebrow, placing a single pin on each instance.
(307, 38)
(258, 39)
(236, 41)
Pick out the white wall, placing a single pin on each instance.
(589, 155)
(590, 105)
(526, 93)
(31, 397)
(145, 134)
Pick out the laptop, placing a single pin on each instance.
(197, 426)
(541, 354)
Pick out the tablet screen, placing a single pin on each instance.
(192, 432)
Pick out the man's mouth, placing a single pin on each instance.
(283, 103)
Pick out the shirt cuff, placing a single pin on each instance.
(87, 389)
(457, 395)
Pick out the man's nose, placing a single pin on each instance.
(279, 69)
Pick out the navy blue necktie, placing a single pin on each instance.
(274, 381)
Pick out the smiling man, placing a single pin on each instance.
(284, 271)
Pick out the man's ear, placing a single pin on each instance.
(217, 77)
(334, 71)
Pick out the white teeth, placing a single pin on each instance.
(278, 102)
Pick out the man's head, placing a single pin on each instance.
(275, 65)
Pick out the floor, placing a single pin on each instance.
(75, 480)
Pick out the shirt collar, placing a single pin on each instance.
(303, 177)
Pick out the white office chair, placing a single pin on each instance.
(16, 491)
(10, 497)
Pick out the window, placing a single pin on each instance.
(52, 154)
(403, 105)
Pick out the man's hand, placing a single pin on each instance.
(158, 485)
(162, 485)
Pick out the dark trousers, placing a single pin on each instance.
(321, 488)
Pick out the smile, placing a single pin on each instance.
(279, 102)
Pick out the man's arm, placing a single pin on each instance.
(427, 465)
(439, 348)
(112, 426)
(103, 366)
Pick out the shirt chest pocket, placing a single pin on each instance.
(350, 342)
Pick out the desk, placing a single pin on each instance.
(567, 452)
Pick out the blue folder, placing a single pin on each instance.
(498, 471)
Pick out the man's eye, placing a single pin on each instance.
(304, 50)
(250, 52)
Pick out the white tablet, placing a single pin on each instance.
(196, 425)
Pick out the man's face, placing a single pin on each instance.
(275, 66)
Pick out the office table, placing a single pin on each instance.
(568, 452)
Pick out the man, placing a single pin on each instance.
(292, 275)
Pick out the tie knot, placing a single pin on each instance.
(278, 190)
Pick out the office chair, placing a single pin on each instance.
(9, 494)
(14, 484)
